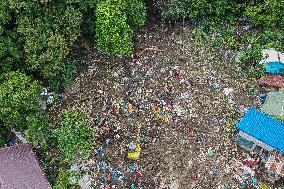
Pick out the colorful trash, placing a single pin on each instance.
(136, 154)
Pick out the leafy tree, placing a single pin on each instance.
(19, 97)
(10, 43)
(49, 33)
(113, 34)
(75, 138)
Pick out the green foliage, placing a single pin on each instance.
(39, 130)
(2, 139)
(268, 13)
(37, 37)
(196, 10)
(2, 142)
(19, 97)
(75, 138)
(113, 33)
(176, 9)
(258, 41)
(65, 178)
(200, 36)
(136, 13)
(48, 35)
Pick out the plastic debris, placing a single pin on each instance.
(135, 155)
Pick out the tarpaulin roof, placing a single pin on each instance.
(274, 105)
(273, 80)
(264, 128)
(19, 169)
(274, 67)
(273, 61)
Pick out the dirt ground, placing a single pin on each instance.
(185, 99)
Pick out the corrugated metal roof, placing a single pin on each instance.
(264, 128)
(19, 169)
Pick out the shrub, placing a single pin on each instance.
(19, 97)
(2, 139)
(268, 13)
(136, 13)
(113, 34)
(38, 132)
(64, 180)
(176, 9)
(75, 138)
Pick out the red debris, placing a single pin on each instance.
(138, 174)
(273, 80)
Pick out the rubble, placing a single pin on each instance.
(172, 109)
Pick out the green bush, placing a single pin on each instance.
(2, 139)
(39, 130)
(64, 180)
(268, 13)
(19, 97)
(113, 34)
(136, 13)
(75, 138)
(197, 10)
(176, 9)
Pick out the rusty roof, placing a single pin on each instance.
(273, 80)
(19, 169)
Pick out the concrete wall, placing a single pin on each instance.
(256, 142)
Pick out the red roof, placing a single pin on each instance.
(273, 80)
(19, 169)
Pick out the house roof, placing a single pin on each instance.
(271, 55)
(19, 169)
(264, 128)
(274, 105)
(273, 80)
(274, 67)
(273, 61)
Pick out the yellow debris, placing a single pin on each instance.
(264, 186)
(135, 155)
(167, 119)
(130, 108)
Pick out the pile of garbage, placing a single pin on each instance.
(163, 118)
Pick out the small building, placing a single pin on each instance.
(260, 133)
(273, 61)
(272, 55)
(263, 135)
(19, 169)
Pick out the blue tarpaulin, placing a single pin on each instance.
(274, 67)
(264, 128)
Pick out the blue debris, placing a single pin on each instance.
(11, 142)
(262, 98)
